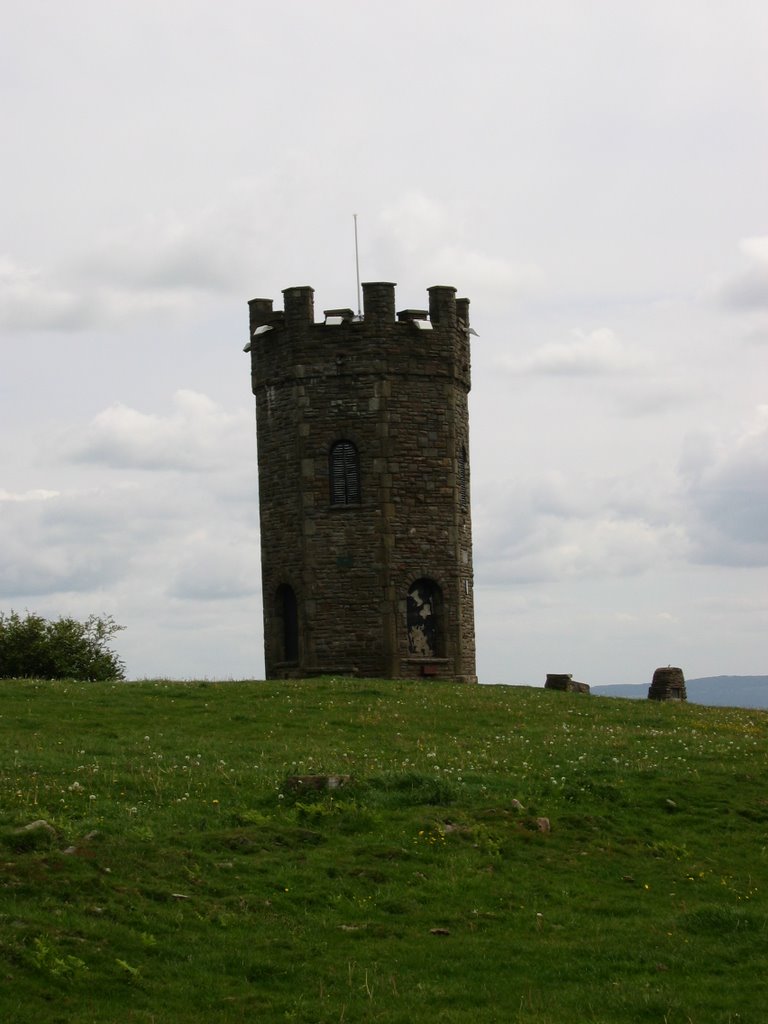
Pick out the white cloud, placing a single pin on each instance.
(554, 528)
(210, 249)
(169, 264)
(418, 233)
(196, 435)
(30, 300)
(217, 568)
(726, 485)
(756, 333)
(41, 553)
(53, 571)
(596, 353)
(747, 290)
(486, 278)
(591, 549)
(132, 532)
(26, 496)
(60, 299)
(173, 556)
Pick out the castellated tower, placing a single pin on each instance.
(363, 446)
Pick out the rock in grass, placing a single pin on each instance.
(41, 825)
(37, 835)
(564, 681)
(303, 783)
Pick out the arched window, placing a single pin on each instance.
(287, 614)
(424, 619)
(344, 474)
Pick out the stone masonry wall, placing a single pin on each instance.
(399, 394)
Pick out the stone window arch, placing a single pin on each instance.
(287, 619)
(344, 473)
(424, 619)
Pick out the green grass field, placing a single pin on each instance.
(183, 880)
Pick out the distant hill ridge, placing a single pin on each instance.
(719, 691)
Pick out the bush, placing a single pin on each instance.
(34, 647)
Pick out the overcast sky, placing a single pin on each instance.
(591, 173)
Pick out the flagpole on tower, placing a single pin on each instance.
(357, 270)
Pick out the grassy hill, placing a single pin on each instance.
(496, 854)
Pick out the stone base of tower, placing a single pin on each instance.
(432, 668)
(426, 671)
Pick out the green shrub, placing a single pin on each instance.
(34, 647)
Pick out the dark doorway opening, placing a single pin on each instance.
(424, 619)
(288, 622)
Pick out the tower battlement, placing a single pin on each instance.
(378, 306)
(363, 441)
(425, 342)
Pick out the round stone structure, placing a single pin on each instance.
(364, 486)
(667, 684)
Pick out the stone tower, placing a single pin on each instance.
(363, 446)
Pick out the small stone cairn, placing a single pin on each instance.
(565, 682)
(667, 684)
